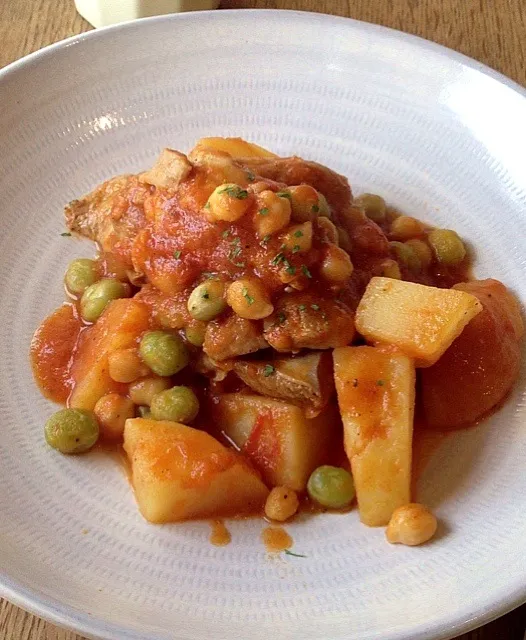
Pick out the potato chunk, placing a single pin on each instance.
(171, 168)
(376, 394)
(236, 147)
(179, 473)
(305, 380)
(277, 437)
(421, 321)
(119, 327)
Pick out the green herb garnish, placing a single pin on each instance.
(305, 271)
(302, 307)
(265, 239)
(290, 269)
(205, 295)
(66, 234)
(209, 275)
(207, 205)
(316, 307)
(264, 211)
(247, 296)
(296, 248)
(177, 255)
(284, 194)
(280, 257)
(380, 383)
(250, 176)
(315, 208)
(234, 192)
(281, 317)
(226, 233)
(296, 555)
(268, 370)
(298, 233)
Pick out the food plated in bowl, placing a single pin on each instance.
(250, 326)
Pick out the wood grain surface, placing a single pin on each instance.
(492, 31)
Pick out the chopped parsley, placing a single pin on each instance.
(315, 208)
(302, 307)
(234, 253)
(250, 176)
(265, 239)
(264, 211)
(234, 192)
(281, 317)
(207, 205)
(280, 257)
(298, 233)
(226, 233)
(296, 555)
(290, 269)
(305, 271)
(380, 383)
(177, 255)
(284, 194)
(66, 234)
(205, 295)
(296, 248)
(315, 307)
(268, 370)
(247, 296)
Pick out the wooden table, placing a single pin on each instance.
(492, 31)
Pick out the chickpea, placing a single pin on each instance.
(447, 245)
(272, 213)
(344, 240)
(390, 269)
(298, 238)
(336, 265)
(142, 391)
(412, 524)
(125, 365)
(228, 202)
(305, 203)
(112, 411)
(282, 503)
(329, 230)
(422, 250)
(206, 300)
(373, 206)
(249, 299)
(258, 187)
(325, 209)
(406, 227)
(195, 333)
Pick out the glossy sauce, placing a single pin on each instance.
(220, 535)
(276, 539)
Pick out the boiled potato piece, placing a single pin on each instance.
(119, 327)
(376, 394)
(236, 147)
(180, 473)
(421, 321)
(305, 380)
(277, 437)
(480, 367)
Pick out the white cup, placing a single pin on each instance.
(101, 13)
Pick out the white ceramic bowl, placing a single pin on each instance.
(439, 136)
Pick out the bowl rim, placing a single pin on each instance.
(66, 616)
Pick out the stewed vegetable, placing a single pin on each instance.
(332, 487)
(165, 353)
(179, 404)
(71, 430)
(98, 295)
(81, 274)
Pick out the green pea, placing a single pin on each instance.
(373, 205)
(206, 300)
(72, 430)
(97, 296)
(406, 255)
(447, 246)
(80, 275)
(195, 334)
(179, 404)
(165, 353)
(331, 487)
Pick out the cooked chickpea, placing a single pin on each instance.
(305, 203)
(336, 265)
(390, 269)
(206, 301)
(282, 503)
(298, 238)
(249, 299)
(405, 227)
(422, 250)
(373, 206)
(344, 240)
(447, 245)
(329, 230)
(142, 391)
(112, 411)
(195, 333)
(272, 213)
(412, 524)
(125, 365)
(228, 202)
